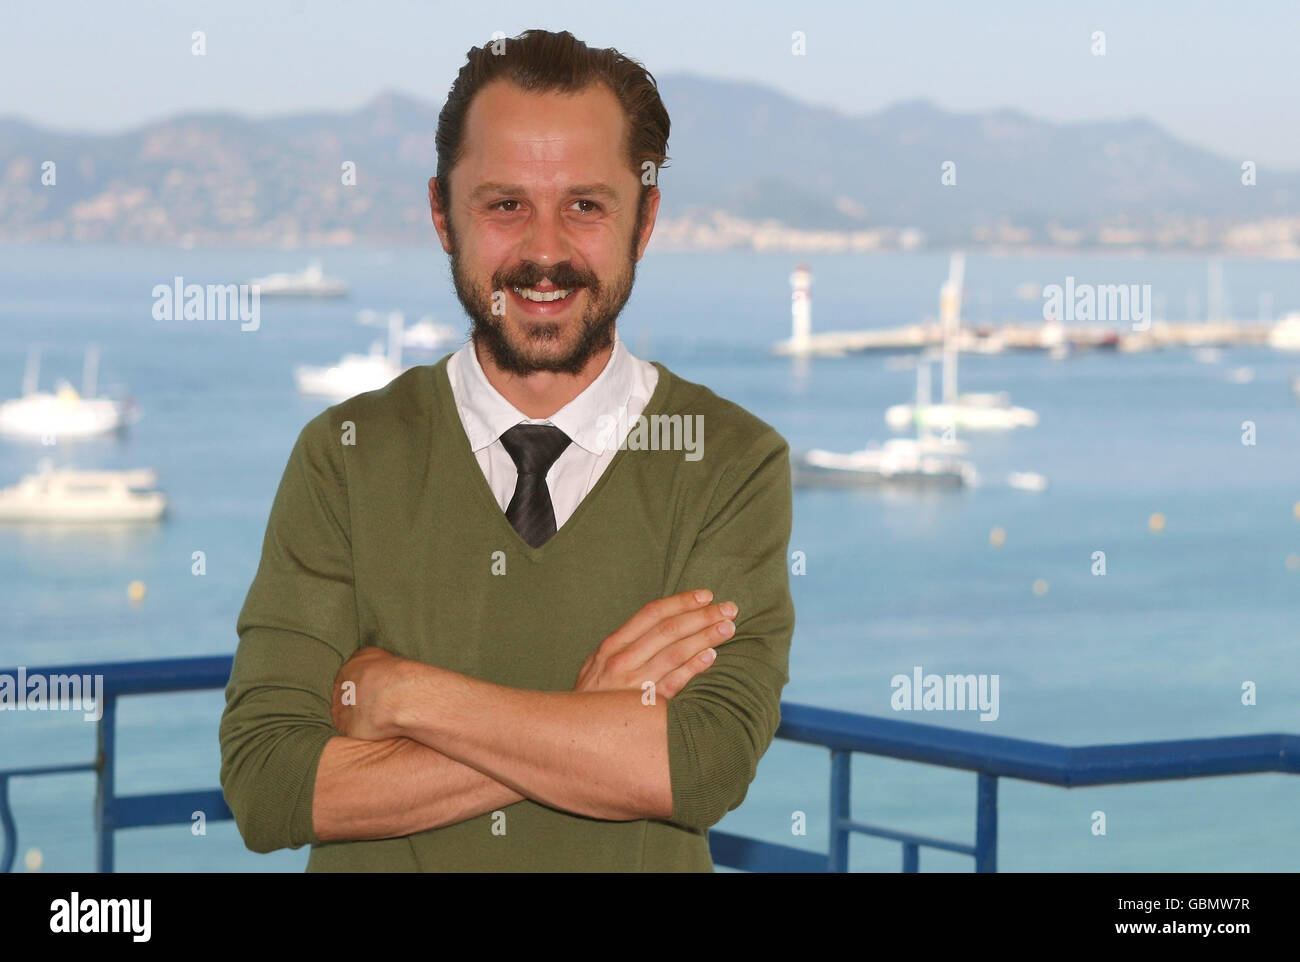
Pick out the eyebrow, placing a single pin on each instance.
(515, 190)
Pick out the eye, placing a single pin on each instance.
(591, 202)
(500, 202)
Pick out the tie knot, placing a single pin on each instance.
(534, 447)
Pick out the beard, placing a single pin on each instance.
(527, 347)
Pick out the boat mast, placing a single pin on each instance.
(32, 373)
(950, 316)
(922, 395)
(90, 372)
(801, 308)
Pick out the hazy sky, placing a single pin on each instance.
(1221, 74)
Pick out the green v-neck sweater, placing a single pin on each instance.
(384, 532)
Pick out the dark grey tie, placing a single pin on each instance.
(533, 448)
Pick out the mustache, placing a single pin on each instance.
(562, 275)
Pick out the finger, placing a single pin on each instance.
(681, 652)
(672, 630)
(676, 680)
(654, 612)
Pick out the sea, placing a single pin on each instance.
(1193, 629)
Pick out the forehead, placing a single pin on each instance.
(511, 133)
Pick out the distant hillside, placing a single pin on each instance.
(742, 156)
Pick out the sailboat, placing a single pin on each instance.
(65, 413)
(356, 373)
(924, 461)
(970, 412)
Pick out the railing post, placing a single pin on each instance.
(841, 771)
(986, 823)
(911, 857)
(104, 792)
(7, 824)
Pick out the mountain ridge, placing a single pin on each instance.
(739, 153)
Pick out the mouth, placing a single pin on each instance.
(543, 303)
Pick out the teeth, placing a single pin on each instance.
(542, 296)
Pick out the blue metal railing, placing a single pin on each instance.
(989, 757)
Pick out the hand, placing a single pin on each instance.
(668, 642)
(363, 694)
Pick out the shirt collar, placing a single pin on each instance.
(486, 415)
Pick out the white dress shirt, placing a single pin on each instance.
(597, 421)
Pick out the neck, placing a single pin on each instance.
(542, 393)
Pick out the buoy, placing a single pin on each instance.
(34, 860)
(1156, 522)
(135, 591)
(998, 536)
(1293, 562)
(1040, 587)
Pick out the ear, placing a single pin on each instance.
(648, 225)
(439, 213)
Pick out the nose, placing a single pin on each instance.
(545, 238)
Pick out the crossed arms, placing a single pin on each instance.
(421, 747)
(426, 747)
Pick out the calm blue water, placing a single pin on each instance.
(1156, 649)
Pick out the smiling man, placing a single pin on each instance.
(489, 631)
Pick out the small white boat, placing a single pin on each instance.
(967, 412)
(306, 283)
(923, 461)
(65, 413)
(966, 416)
(1285, 334)
(425, 335)
(70, 495)
(899, 461)
(1027, 481)
(355, 373)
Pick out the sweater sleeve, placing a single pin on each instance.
(297, 627)
(725, 718)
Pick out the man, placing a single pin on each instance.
(495, 625)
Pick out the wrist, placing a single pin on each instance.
(406, 683)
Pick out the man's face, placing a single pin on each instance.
(543, 201)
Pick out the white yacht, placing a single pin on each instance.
(70, 495)
(306, 283)
(969, 412)
(900, 461)
(355, 373)
(963, 414)
(65, 413)
(923, 461)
